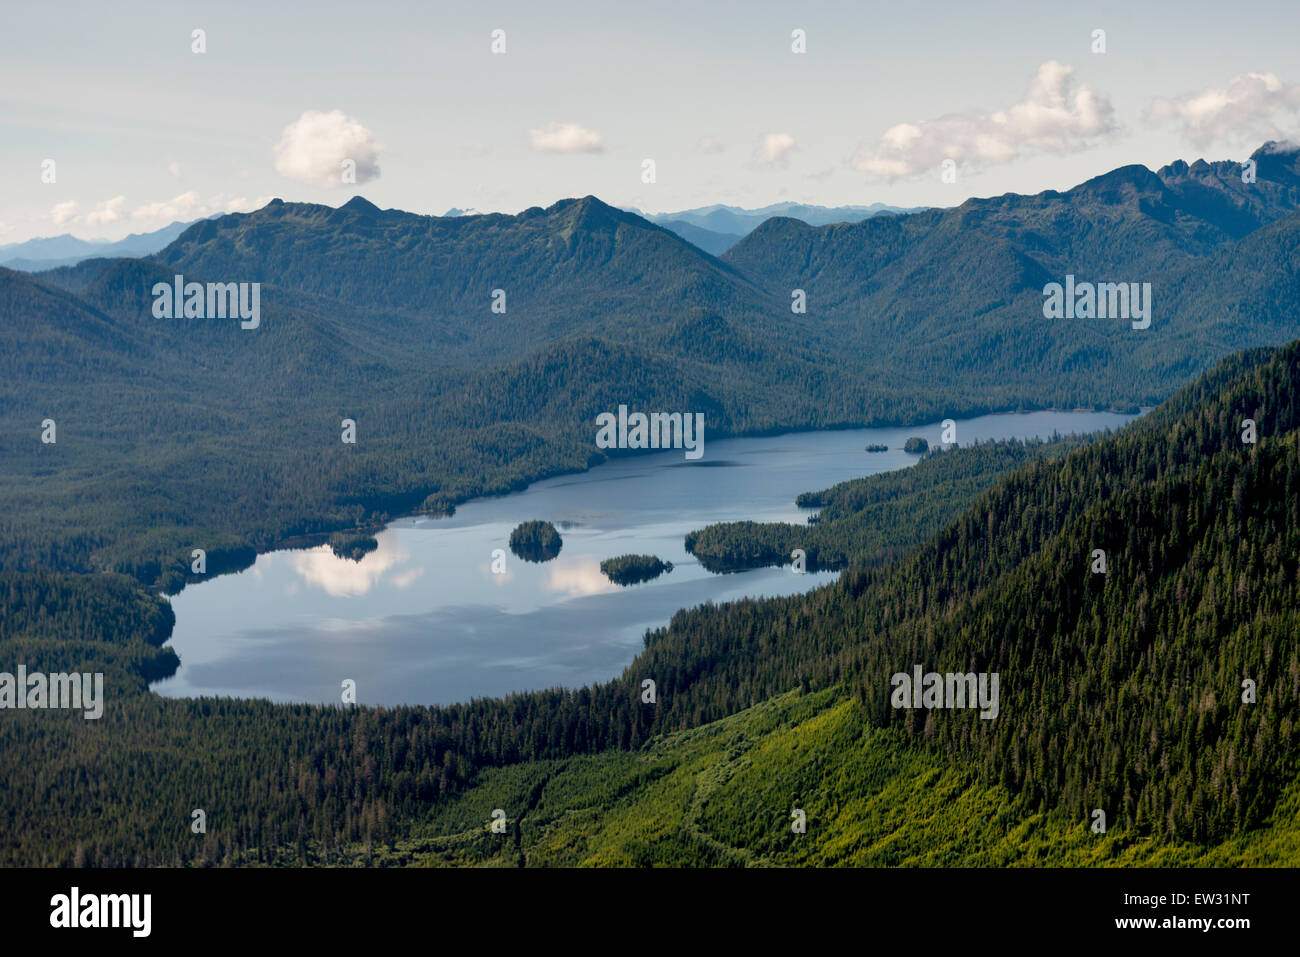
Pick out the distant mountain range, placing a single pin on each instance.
(715, 229)
(67, 250)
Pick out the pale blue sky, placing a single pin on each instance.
(144, 131)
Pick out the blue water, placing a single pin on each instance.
(425, 620)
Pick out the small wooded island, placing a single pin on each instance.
(633, 569)
(916, 445)
(536, 541)
(877, 448)
(353, 545)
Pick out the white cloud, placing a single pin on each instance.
(566, 138)
(406, 579)
(312, 149)
(109, 211)
(1247, 109)
(774, 149)
(707, 144)
(174, 168)
(241, 204)
(184, 206)
(64, 213)
(1057, 115)
(190, 206)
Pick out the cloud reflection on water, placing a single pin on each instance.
(345, 578)
(579, 578)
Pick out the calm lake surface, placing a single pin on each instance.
(424, 620)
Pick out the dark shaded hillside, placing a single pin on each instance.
(184, 433)
(53, 623)
(579, 267)
(1129, 218)
(957, 294)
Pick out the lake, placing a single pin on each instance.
(425, 620)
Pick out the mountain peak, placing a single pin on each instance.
(1276, 148)
(1278, 162)
(1133, 176)
(359, 204)
(581, 204)
(588, 212)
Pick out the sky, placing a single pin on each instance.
(143, 130)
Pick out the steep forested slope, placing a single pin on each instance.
(724, 795)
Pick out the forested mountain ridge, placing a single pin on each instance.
(1130, 217)
(578, 267)
(955, 293)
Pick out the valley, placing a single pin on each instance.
(176, 435)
